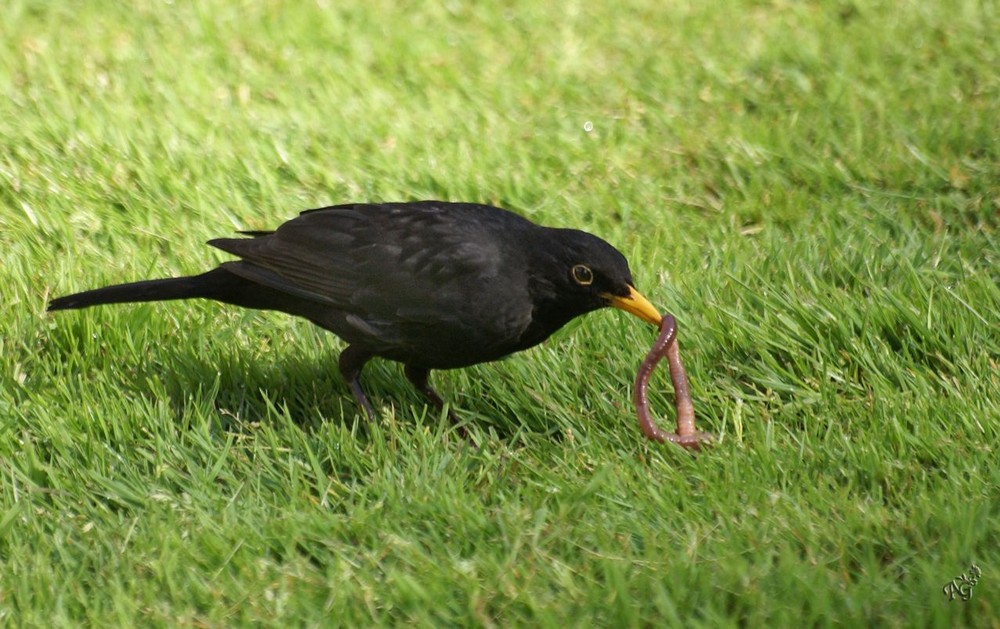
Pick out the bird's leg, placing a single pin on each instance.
(418, 376)
(352, 360)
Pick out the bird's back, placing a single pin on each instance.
(429, 283)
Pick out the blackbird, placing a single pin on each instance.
(430, 284)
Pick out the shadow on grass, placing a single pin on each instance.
(244, 386)
(307, 389)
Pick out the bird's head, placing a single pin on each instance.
(587, 273)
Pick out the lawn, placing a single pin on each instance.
(813, 188)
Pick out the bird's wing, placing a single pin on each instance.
(411, 262)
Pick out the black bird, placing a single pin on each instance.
(430, 284)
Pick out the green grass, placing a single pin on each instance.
(812, 187)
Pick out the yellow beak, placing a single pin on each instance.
(636, 304)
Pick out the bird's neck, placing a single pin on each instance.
(552, 306)
(550, 313)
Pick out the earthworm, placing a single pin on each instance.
(666, 347)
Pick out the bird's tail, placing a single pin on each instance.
(206, 285)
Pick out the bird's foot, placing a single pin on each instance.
(419, 377)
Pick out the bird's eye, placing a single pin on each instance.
(582, 275)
